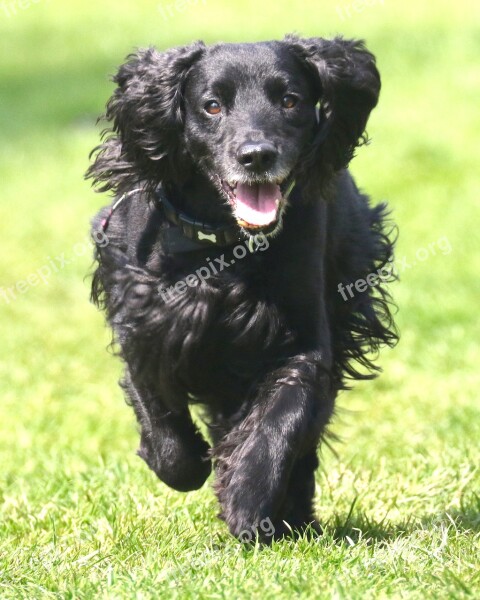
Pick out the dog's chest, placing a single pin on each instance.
(225, 332)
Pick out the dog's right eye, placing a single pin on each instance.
(213, 107)
(289, 101)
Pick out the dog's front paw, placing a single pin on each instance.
(289, 528)
(246, 520)
(250, 494)
(183, 467)
(265, 500)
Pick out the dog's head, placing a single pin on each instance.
(253, 118)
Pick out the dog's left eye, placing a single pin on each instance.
(213, 107)
(289, 101)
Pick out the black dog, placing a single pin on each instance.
(240, 269)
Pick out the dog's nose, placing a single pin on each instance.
(257, 157)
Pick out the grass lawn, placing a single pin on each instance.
(80, 515)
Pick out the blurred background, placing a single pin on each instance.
(63, 425)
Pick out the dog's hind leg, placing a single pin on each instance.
(170, 443)
(268, 458)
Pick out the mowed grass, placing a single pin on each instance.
(81, 516)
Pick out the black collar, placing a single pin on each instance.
(187, 235)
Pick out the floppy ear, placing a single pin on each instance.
(143, 145)
(348, 83)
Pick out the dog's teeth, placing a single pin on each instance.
(277, 202)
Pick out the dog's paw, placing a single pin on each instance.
(250, 498)
(249, 524)
(309, 528)
(255, 504)
(181, 467)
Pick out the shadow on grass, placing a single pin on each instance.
(358, 527)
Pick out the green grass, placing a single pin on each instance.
(80, 515)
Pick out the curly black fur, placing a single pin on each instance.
(264, 345)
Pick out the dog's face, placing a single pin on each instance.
(244, 115)
(250, 111)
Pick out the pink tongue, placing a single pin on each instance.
(256, 204)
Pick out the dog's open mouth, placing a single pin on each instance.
(256, 205)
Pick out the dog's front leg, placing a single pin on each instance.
(254, 462)
(170, 443)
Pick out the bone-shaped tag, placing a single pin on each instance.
(210, 237)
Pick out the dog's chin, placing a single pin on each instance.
(257, 207)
